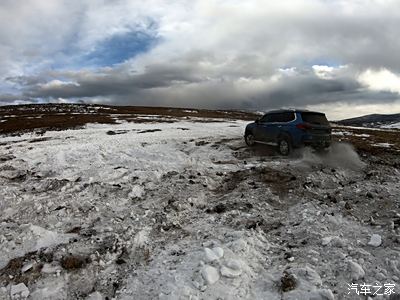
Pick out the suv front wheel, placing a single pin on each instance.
(249, 139)
(284, 145)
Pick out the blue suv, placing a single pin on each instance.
(290, 128)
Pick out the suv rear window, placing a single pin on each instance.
(314, 118)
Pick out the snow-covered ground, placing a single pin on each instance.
(394, 125)
(185, 210)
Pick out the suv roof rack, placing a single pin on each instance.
(291, 110)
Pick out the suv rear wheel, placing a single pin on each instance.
(284, 145)
(249, 139)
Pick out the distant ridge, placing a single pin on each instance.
(373, 120)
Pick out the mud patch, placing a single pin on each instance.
(73, 262)
(222, 207)
(149, 130)
(115, 132)
(17, 272)
(37, 140)
(6, 157)
(257, 151)
(288, 282)
(201, 143)
(14, 175)
(278, 181)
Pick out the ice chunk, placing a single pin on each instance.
(50, 268)
(376, 240)
(19, 291)
(46, 238)
(326, 240)
(210, 274)
(142, 237)
(95, 296)
(323, 294)
(213, 254)
(233, 268)
(52, 288)
(136, 192)
(333, 241)
(356, 271)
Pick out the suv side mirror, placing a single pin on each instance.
(257, 120)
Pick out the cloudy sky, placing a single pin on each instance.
(338, 56)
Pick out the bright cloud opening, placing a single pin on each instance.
(382, 80)
(326, 72)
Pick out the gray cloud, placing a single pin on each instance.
(224, 54)
(188, 85)
(9, 98)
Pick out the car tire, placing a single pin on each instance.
(249, 139)
(284, 145)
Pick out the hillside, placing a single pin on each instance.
(373, 121)
(20, 118)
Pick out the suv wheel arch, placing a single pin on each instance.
(249, 138)
(285, 145)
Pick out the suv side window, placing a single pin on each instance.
(273, 118)
(286, 117)
(266, 118)
(278, 117)
(281, 117)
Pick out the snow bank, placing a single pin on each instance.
(31, 238)
(186, 211)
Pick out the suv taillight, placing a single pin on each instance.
(303, 126)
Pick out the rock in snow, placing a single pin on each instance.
(356, 271)
(210, 274)
(27, 267)
(375, 240)
(19, 291)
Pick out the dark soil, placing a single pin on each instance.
(365, 145)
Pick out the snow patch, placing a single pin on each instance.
(33, 238)
(394, 125)
(383, 145)
(376, 240)
(19, 291)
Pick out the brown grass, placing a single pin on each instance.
(21, 118)
(367, 145)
